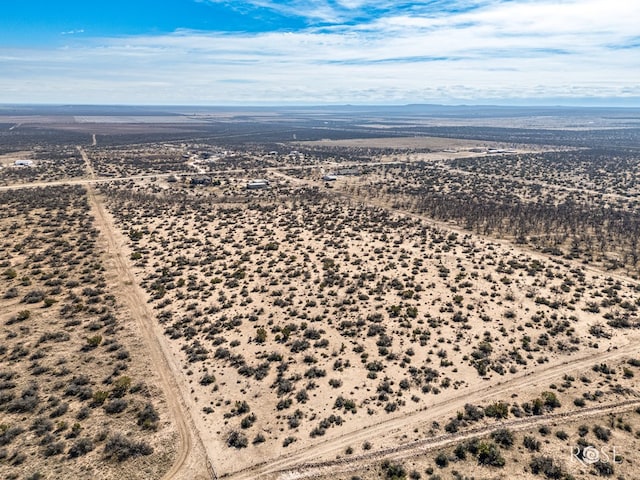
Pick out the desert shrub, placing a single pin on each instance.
(634, 362)
(41, 426)
(531, 443)
(10, 273)
(17, 458)
(59, 410)
(99, 398)
(442, 460)
(75, 431)
(241, 407)
(11, 293)
(503, 437)
(79, 387)
(148, 417)
(302, 396)
(299, 346)
(27, 401)
(117, 405)
(452, 426)
(237, 440)
(546, 466)
(34, 296)
(207, 379)
(315, 372)
(80, 447)
(20, 317)
(604, 469)
(602, 433)
(121, 448)
(83, 413)
(550, 400)
(54, 448)
(294, 420)
(393, 471)
(473, 413)
(121, 387)
(92, 342)
(347, 404)
(489, 454)
(7, 434)
(248, 421)
(497, 410)
(335, 383)
(460, 451)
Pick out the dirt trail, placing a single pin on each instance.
(422, 419)
(403, 452)
(191, 461)
(87, 163)
(86, 181)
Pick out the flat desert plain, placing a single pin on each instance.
(382, 308)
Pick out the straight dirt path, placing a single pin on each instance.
(191, 461)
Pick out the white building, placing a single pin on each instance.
(257, 184)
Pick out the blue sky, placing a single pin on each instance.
(320, 51)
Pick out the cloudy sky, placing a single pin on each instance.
(320, 51)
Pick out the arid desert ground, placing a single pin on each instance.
(400, 296)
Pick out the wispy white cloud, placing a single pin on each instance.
(341, 11)
(72, 32)
(471, 50)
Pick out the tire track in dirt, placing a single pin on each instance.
(190, 461)
(423, 418)
(421, 447)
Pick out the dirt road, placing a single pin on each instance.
(439, 410)
(358, 462)
(191, 461)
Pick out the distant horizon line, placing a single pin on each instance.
(597, 103)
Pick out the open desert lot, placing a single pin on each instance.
(302, 294)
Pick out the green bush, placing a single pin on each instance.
(489, 454)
